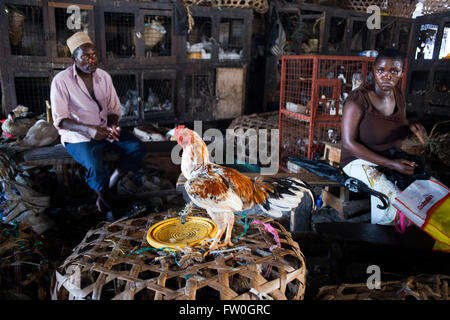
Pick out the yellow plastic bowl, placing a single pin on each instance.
(194, 55)
(172, 234)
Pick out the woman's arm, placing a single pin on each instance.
(420, 132)
(351, 119)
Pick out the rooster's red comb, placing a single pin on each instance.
(179, 127)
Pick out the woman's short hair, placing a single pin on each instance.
(391, 53)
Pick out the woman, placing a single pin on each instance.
(374, 121)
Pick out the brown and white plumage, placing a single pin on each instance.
(40, 134)
(221, 191)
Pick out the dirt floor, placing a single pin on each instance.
(74, 214)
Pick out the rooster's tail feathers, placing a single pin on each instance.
(284, 195)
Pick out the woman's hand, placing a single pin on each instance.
(403, 166)
(420, 132)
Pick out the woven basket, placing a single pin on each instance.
(256, 121)
(435, 6)
(152, 37)
(361, 5)
(260, 6)
(422, 287)
(403, 9)
(23, 263)
(116, 262)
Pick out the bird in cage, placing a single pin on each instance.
(332, 135)
(167, 105)
(130, 103)
(152, 102)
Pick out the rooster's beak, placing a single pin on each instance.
(172, 138)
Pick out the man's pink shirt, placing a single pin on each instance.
(70, 99)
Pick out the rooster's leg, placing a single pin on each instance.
(230, 223)
(220, 218)
(215, 244)
(185, 212)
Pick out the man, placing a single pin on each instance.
(86, 111)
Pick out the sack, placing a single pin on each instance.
(20, 203)
(426, 203)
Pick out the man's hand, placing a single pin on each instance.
(97, 132)
(403, 166)
(420, 132)
(113, 132)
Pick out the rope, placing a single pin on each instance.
(14, 234)
(160, 249)
(246, 225)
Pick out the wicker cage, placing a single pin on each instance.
(23, 263)
(435, 6)
(152, 37)
(251, 124)
(362, 5)
(403, 9)
(115, 262)
(260, 6)
(421, 287)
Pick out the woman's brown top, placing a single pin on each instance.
(376, 131)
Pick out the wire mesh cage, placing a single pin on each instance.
(312, 95)
(302, 31)
(200, 93)
(1, 96)
(128, 93)
(360, 34)
(159, 95)
(66, 24)
(199, 42)
(293, 138)
(25, 30)
(385, 36)
(231, 38)
(119, 35)
(157, 35)
(292, 26)
(336, 41)
(419, 82)
(427, 41)
(32, 92)
(313, 90)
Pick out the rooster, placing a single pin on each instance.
(221, 191)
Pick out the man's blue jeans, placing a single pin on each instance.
(90, 156)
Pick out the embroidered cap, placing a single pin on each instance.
(78, 39)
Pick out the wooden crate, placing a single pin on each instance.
(115, 262)
(341, 202)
